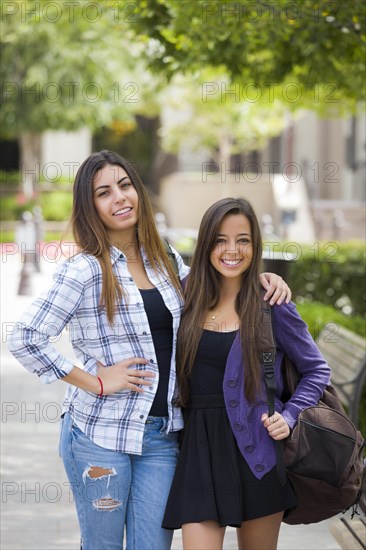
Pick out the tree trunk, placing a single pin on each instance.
(224, 155)
(30, 162)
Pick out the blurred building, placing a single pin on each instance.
(63, 152)
(330, 156)
(310, 180)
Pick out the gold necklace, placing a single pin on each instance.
(224, 308)
(213, 317)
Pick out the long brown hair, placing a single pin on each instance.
(91, 236)
(202, 292)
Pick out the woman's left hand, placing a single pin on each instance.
(276, 425)
(276, 288)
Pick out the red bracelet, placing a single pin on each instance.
(101, 386)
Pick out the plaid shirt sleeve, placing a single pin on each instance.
(47, 317)
(183, 269)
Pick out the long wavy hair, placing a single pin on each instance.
(91, 236)
(202, 292)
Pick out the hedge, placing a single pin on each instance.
(330, 273)
(56, 206)
(317, 315)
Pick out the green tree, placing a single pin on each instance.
(67, 65)
(315, 44)
(218, 122)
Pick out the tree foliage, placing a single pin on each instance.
(331, 273)
(209, 110)
(71, 64)
(66, 65)
(267, 42)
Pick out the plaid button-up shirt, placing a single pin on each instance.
(116, 421)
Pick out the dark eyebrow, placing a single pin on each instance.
(106, 186)
(239, 235)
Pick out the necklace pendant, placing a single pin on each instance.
(213, 317)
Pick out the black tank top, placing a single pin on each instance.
(209, 366)
(161, 326)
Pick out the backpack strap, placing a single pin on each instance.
(267, 350)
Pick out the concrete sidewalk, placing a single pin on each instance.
(37, 505)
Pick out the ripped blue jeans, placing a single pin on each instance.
(117, 493)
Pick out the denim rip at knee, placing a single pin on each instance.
(133, 487)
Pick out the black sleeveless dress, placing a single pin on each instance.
(212, 480)
(161, 326)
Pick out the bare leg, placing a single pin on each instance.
(205, 535)
(260, 534)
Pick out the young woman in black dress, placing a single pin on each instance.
(226, 471)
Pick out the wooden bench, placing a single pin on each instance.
(345, 353)
(351, 533)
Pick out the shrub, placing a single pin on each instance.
(10, 178)
(8, 208)
(317, 315)
(56, 206)
(330, 273)
(7, 237)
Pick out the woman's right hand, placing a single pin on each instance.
(121, 377)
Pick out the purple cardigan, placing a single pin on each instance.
(292, 336)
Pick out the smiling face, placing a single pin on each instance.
(115, 199)
(233, 252)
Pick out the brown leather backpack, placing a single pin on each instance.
(323, 454)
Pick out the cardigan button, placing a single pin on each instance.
(238, 426)
(232, 382)
(250, 449)
(259, 467)
(233, 403)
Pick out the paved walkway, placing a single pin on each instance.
(37, 510)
